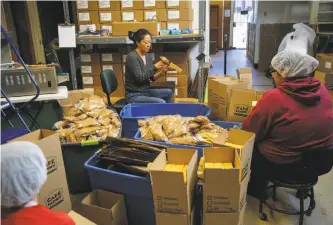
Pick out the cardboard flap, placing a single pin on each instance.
(171, 219)
(79, 220)
(230, 176)
(240, 137)
(183, 156)
(219, 155)
(159, 162)
(119, 214)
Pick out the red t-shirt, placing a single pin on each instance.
(37, 215)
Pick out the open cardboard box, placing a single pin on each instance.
(224, 190)
(103, 207)
(54, 194)
(245, 74)
(79, 220)
(172, 196)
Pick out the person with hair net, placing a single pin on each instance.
(288, 120)
(23, 173)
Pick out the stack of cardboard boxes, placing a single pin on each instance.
(224, 189)
(93, 64)
(231, 98)
(119, 16)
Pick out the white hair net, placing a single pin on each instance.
(300, 40)
(294, 64)
(23, 173)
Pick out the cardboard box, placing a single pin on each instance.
(171, 194)
(83, 26)
(177, 57)
(106, 5)
(325, 62)
(163, 26)
(54, 194)
(181, 92)
(186, 100)
(169, 218)
(90, 80)
(240, 104)
(223, 189)
(180, 25)
(79, 220)
(90, 64)
(84, 5)
(157, 14)
(109, 16)
(224, 218)
(106, 26)
(135, 15)
(103, 207)
(172, 4)
(245, 74)
(88, 16)
(113, 58)
(184, 68)
(122, 28)
(152, 4)
(181, 14)
(259, 95)
(131, 4)
(180, 80)
(116, 68)
(325, 78)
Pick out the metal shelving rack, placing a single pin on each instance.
(157, 39)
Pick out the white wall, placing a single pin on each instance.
(279, 12)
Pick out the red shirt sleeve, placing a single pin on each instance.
(259, 120)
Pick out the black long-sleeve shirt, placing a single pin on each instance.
(137, 74)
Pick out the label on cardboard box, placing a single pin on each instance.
(176, 91)
(328, 65)
(128, 16)
(107, 67)
(172, 3)
(150, 15)
(54, 198)
(87, 80)
(86, 69)
(83, 28)
(107, 57)
(82, 4)
(173, 14)
(85, 58)
(104, 4)
(105, 16)
(126, 3)
(84, 16)
(149, 3)
(174, 79)
(104, 27)
(124, 69)
(124, 58)
(51, 164)
(172, 26)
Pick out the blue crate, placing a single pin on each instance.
(131, 113)
(225, 125)
(137, 191)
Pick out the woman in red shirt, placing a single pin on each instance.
(23, 173)
(294, 118)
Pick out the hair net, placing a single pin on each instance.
(294, 64)
(23, 172)
(300, 40)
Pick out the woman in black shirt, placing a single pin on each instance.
(140, 71)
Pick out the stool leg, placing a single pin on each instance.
(274, 193)
(262, 215)
(312, 202)
(301, 217)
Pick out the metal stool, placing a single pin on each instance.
(304, 190)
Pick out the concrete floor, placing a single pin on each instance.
(237, 59)
(323, 213)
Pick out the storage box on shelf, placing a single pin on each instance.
(122, 28)
(155, 14)
(131, 5)
(106, 5)
(325, 62)
(132, 15)
(109, 16)
(159, 4)
(88, 17)
(85, 5)
(131, 113)
(90, 69)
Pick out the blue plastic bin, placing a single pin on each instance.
(131, 113)
(137, 191)
(225, 125)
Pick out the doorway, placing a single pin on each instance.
(241, 14)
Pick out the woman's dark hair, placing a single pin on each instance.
(138, 36)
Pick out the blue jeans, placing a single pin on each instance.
(153, 96)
